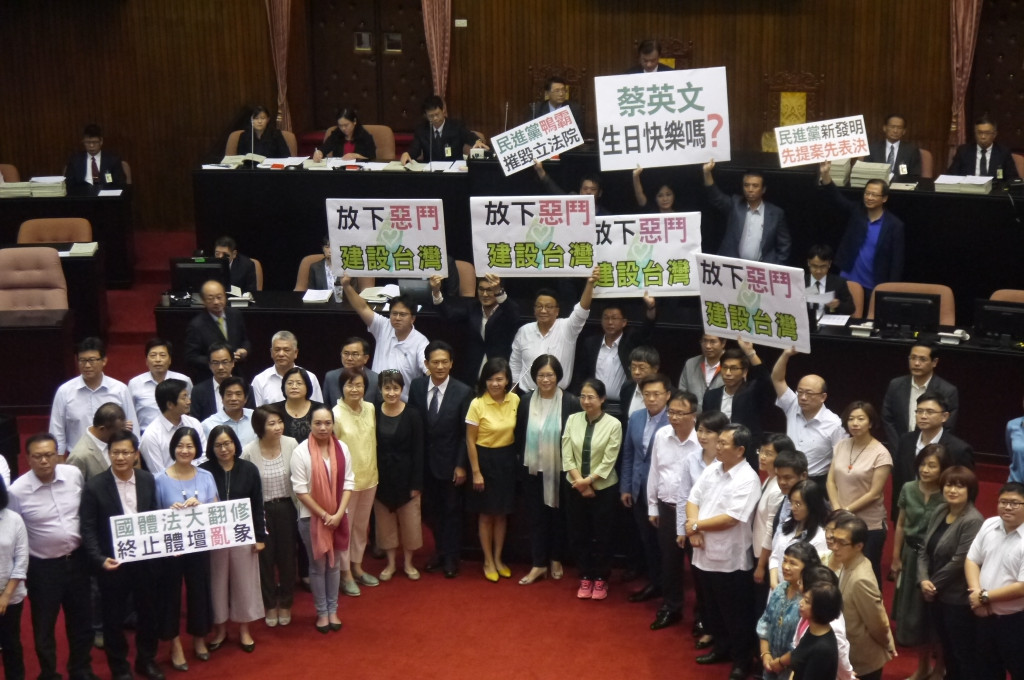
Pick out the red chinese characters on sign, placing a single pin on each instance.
(551, 213)
(401, 217)
(651, 230)
(577, 207)
(426, 217)
(563, 118)
(760, 281)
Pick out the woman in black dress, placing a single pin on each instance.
(263, 138)
(297, 406)
(349, 140)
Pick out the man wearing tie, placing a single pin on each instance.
(985, 157)
(442, 403)
(819, 280)
(440, 138)
(218, 323)
(94, 167)
(903, 158)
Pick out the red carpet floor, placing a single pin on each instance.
(433, 628)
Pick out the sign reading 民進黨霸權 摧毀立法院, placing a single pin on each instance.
(400, 238)
(762, 303)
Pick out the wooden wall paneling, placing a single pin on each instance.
(344, 77)
(998, 75)
(405, 79)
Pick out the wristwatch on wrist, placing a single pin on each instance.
(983, 596)
(693, 527)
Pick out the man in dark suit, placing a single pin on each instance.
(442, 403)
(122, 490)
(206, 399)
(243, 270)
(901, 396)
(746, 389)
(931, 414)
(556, 96)
(984, 157)
(643, 361)
(354, 354)
(868, 261)
(94, 168)
(903, 158)
(650, 58)
(217, 323)
(755, 229)
(491, 311)
(321, 277)
(636, 464)
(606, 355)
(819, 281)
(440, 138)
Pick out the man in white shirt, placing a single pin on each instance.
(172, 397)
(813, 427)
(399, 345)
(284, 350)
(158, 361)
(47, 498)
(234, 414)
(670, 454)
(550, 335)
(995, 581)
(718, 516)
(903, 158)
(704, 371)
(77, 400)
(900, 404)
(90, 455)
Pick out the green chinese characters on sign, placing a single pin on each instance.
(499, 256)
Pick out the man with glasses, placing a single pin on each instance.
(871, 250)
(900, 404)
(606, 355)
(206, 399)
(746, 389)
(399, 345)
(440, 138)
(48, 498)
(492, 317)
(670, 455)
(995, 583)
(931, 415)
(985, 157)
(267, 387)
(813, 427)
(633, 477)
(556, 95)
(903, 158)
(550, 334)
(93, 168)
(820, 281)
(354, 354)
(76, 401)
(704, 371)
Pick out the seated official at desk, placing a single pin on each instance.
(650, 58)
(556, 95)
(440, 138)
(819, 280)
(242, 269)
(984, 157)
(872, 247)
(903, 158)
(94, 167)
(263, 138)
(349, 140)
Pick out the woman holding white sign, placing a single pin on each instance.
(665, 199)
(236, 571)
(182, 486)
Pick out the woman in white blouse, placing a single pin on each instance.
(13, 570)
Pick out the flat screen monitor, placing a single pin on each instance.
(906, 314)
(999, 321)
(188, 274)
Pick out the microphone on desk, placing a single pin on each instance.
(252, 136)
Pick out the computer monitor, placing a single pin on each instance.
(999, 321)
(188, 274)
(905, 314)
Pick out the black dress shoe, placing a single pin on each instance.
(666, 618)
(150, 670)
(434, 564)
(698, 629)
(713, 657)
(248, 648)
(649, 592)
(739, 674)
(702, 644)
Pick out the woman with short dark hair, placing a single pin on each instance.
(297, 408)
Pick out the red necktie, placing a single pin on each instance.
(95, 171)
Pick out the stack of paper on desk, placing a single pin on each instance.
(840, 172)
(48, 186)
(969, 184)
(15, 190)
(864, 171)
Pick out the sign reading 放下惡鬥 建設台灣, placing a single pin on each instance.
(762, 303)
(662, 119)
(649, 253)
(162, 533)
(536, 140)
(400, 238)
(824, 140)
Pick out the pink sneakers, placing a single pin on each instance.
(586, 589)
(600, 589)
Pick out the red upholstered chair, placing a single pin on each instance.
(55, 230)
(31, 278)
(947, 305)
(9, 173)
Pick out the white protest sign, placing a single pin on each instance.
(210, 526)
(650, 252)
(392, 237)
(762, 303)
(537, 140)
(533, 235)
(825, 140)
(664, 118)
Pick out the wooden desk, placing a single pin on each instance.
(38, 351)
